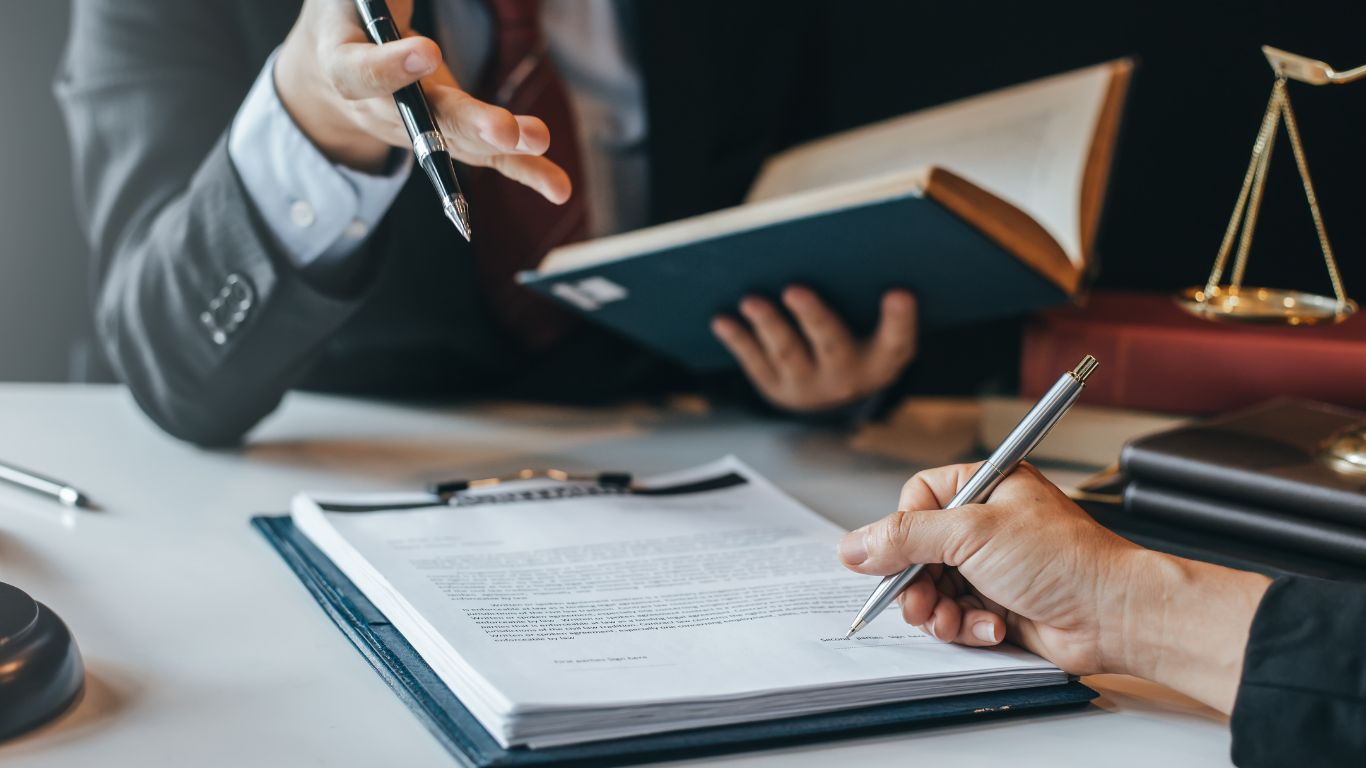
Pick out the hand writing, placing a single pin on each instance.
(1031, 567)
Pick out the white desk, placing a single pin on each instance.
(204, 650)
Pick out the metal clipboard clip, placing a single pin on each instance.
(456, 493)
(561, 485)
(568, 485)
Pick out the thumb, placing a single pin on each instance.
(904, 538)
(364, 71)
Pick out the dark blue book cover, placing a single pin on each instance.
(666, 299)
(985, 207)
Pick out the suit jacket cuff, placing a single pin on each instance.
(1302, 700)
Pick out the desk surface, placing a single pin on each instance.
(203, 650)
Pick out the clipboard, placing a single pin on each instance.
(441, 712)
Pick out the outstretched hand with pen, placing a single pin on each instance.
(338, 87)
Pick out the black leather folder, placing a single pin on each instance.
(1265, 526)
(1258, 474)
(442, 713)
(1266, 457)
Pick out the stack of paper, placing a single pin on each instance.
(565, 620)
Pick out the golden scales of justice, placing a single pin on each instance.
(1346, 451)
(1234, 301)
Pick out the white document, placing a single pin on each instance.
(563, 620)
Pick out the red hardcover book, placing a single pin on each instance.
(1154, 356)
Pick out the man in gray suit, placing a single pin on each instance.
(247, 194)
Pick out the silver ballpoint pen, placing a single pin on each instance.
(32, 481)
(1031, 430)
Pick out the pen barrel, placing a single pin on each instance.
(378, 22)
(429, 145)
(1032, 429)
(37, 483)
(441, 172)
(413, 108)
(416, 115)
(1026, 435)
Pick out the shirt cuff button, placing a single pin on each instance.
(356, 230)
(302, 214)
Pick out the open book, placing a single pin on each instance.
(561, 616)
(983, 207)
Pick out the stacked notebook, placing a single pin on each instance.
(1260, 474)
(558, 619)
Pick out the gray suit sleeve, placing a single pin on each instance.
(195, 306)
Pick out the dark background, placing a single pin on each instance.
(1196, 103)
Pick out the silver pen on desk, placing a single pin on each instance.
(1031, 430)
(32, 481)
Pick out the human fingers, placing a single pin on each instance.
(943, 613)
(475, 127)
(935, 488)
(536, 172)
(919, 599)
(907, 537)
(944, 620)
(831, 343)
(893, 344)
(747, 352)
(786, 351)
(533, 135)
(469, 144)
(979, 626)
(362, 70)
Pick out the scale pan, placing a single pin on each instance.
(1265, 306)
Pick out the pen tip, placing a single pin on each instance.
(853, 630)
(458, 211)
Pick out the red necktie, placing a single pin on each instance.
(514, 227)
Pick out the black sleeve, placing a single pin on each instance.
(195, 305)
(1302, 700)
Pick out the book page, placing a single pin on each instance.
(1027, 145)
(605, 602)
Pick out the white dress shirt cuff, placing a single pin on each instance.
(317, 210)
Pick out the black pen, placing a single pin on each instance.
(428, 143)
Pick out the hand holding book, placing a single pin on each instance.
(817, 362)
(983, 208)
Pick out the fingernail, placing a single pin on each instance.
(929, 629)
(984, 631)
(853, 548)
(417, 64)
